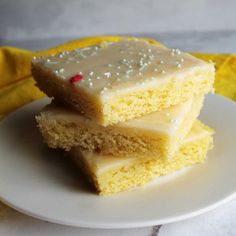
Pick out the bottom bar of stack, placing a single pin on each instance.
(110, 174)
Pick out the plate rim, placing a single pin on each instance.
(148, 223)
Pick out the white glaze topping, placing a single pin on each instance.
(113, 67)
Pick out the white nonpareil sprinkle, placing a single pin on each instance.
(90, 84)
(161, 62)
(155, 69)
(107, 74)
(142, 67)
(175, 51)
(91, 73)
(124, 61)
(61, 54)
(61, 70)
(178, 64)
(163, 71)
(178, 51)
(151, 57)
(129, 71)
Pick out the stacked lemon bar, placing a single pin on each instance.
(125, 111)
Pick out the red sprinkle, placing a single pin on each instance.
(76, 78)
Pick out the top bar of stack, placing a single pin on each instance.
(117, 81)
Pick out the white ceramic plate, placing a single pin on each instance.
(43, 184)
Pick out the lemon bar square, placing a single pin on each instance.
(109, 174)
(159, 133)
(115, 82)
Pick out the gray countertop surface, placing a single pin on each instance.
(27, 19)
(219, 222)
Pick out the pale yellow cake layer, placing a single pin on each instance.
(158, 133)
(109, 174)
(116, 82)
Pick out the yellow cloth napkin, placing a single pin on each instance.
(17, 85)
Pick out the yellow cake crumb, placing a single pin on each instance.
(109, 174)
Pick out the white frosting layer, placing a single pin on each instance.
(113, 68)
